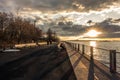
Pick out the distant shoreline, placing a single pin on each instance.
(98, 39)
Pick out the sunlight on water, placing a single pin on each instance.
(93, 43)
(101, 50)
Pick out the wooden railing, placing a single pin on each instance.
(111, 53)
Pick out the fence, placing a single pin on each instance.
(107, 57)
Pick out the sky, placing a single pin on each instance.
(53, 11)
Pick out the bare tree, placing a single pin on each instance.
(17, 30)
(49, 36)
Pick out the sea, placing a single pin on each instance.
(101, 50)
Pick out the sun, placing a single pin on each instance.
(93, 33)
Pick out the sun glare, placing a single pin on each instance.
(93, 33)
(93, 43)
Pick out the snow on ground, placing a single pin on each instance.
(11, 50)
(28, 44)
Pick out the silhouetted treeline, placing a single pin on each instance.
(17, 30)
(51, 37)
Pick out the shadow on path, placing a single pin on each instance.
(68, 73)
(58, 68)
(99, 70)
(91, 70)
(45, 64)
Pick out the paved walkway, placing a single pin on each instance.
(6, 57)
(89, 69)
(49, 63)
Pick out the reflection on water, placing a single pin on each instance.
(99, 54)
(101, 50)
(93, 43)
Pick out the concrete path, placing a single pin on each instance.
(80, 69)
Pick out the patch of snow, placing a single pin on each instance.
(11, 50)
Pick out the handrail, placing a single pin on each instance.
(112, 54)
(95, 47)
(118, 52)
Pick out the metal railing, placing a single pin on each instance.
(105, 56)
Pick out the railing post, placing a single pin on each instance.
(83, 49)
(72, 45)
(78, 47)
(91, 52)
(75, 46)
(113, 61)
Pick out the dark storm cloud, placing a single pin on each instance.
(107, 26)
(116, 20)
(45, 4)
(54, 5)
(67, 30)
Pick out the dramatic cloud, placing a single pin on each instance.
(71, 31)
(96, 4)
(49, 13)
(56, 5)
(43, 5)
(106, 26)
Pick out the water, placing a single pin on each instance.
(101, 50)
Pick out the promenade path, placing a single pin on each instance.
(37, 63)
(52, 63)
(86, 68)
